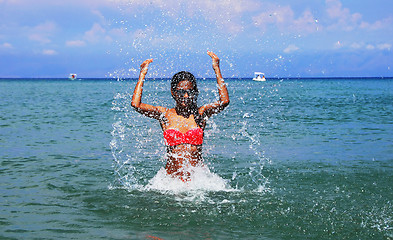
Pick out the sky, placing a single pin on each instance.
(111, 38)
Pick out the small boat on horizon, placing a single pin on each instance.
(72, 76)
(259, 76)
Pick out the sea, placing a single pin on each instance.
(287, 159)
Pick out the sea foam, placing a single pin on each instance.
(201, 179)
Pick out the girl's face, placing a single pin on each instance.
(184, 93)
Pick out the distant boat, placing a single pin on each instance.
(259, 76)
(72, 76)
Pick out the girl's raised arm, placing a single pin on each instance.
(143, 108)
(216, 107)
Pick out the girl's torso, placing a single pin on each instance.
(183, 138)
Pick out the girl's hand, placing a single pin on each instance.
(215, 59)
(145, 65)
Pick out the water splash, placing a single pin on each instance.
(201, 179)
(380, 219)
(257, 167)
(234, 156)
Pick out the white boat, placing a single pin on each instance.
(72, 76)
(259, 76)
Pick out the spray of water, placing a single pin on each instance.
(176, 43)
(139, 153)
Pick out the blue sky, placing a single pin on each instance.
(110, 38)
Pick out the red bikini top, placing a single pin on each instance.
(174, 137)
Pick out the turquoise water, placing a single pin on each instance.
(288, 159)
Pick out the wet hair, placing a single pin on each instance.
(187, 76)
(181, 76)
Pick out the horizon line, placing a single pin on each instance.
(199, 78)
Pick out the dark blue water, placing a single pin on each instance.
(288, 159)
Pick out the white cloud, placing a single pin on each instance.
(48, 26)
(38, 37)
(357, 45)
(6, 45)
(42, 32)
(370, 47)
(291, 48)
(75, 43)
(284, 18)
(337, 18)
(49, 52)
(223, 14)
(118, 32)
(344, 19)
(384, 46)
(226, 14)
(274, 15)
(97, 34)
(90, 3)
(93, 34)
(307, 23)
(335, 9)
(379, 24)
(100, 16)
